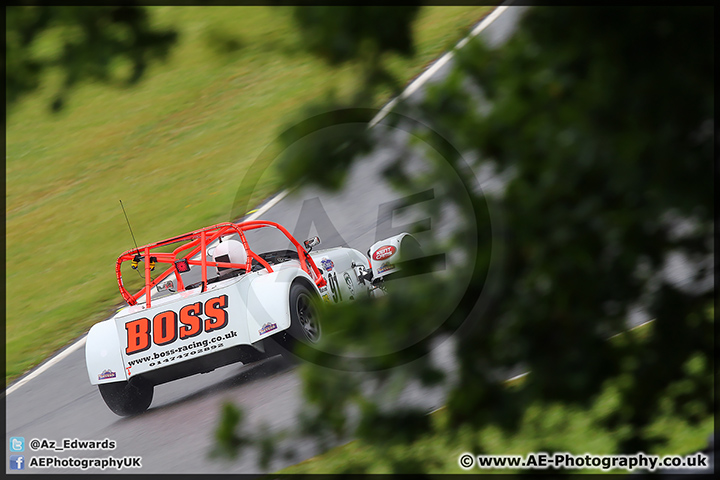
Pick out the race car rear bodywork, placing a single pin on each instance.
(209, 309)
(238, 311)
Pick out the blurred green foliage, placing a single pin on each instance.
(340, 34)
(600, 122)
(83, 43)
(353, 34)
(544, 427)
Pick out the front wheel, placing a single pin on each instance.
(127, 397)
(304, 322)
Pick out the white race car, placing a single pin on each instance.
(224, 298)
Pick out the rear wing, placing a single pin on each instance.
(194, 243)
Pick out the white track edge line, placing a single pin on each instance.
(45, 366)
(425, 76)
(633, 328)
(261, 211)
(412, 87)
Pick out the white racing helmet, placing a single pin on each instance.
(231, 251)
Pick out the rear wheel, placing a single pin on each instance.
(304, 322)
(127, 397)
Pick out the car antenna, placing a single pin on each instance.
(137, 250)
(136, 260)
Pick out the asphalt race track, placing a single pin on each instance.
(176, 434)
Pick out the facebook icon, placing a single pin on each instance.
(17, 462)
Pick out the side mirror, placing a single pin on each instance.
(311, 242)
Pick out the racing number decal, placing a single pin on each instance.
(165, 324)
(334, 287)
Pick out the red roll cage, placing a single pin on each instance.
(197, 241)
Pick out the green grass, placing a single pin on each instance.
(175, 149)
(544, 428)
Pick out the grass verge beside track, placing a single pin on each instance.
(175, 149)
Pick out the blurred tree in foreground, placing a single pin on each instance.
(84, 42)
(342, 34)
(601, 123)
(602, 119)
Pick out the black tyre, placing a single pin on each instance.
(127, 397)
(304, 323)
